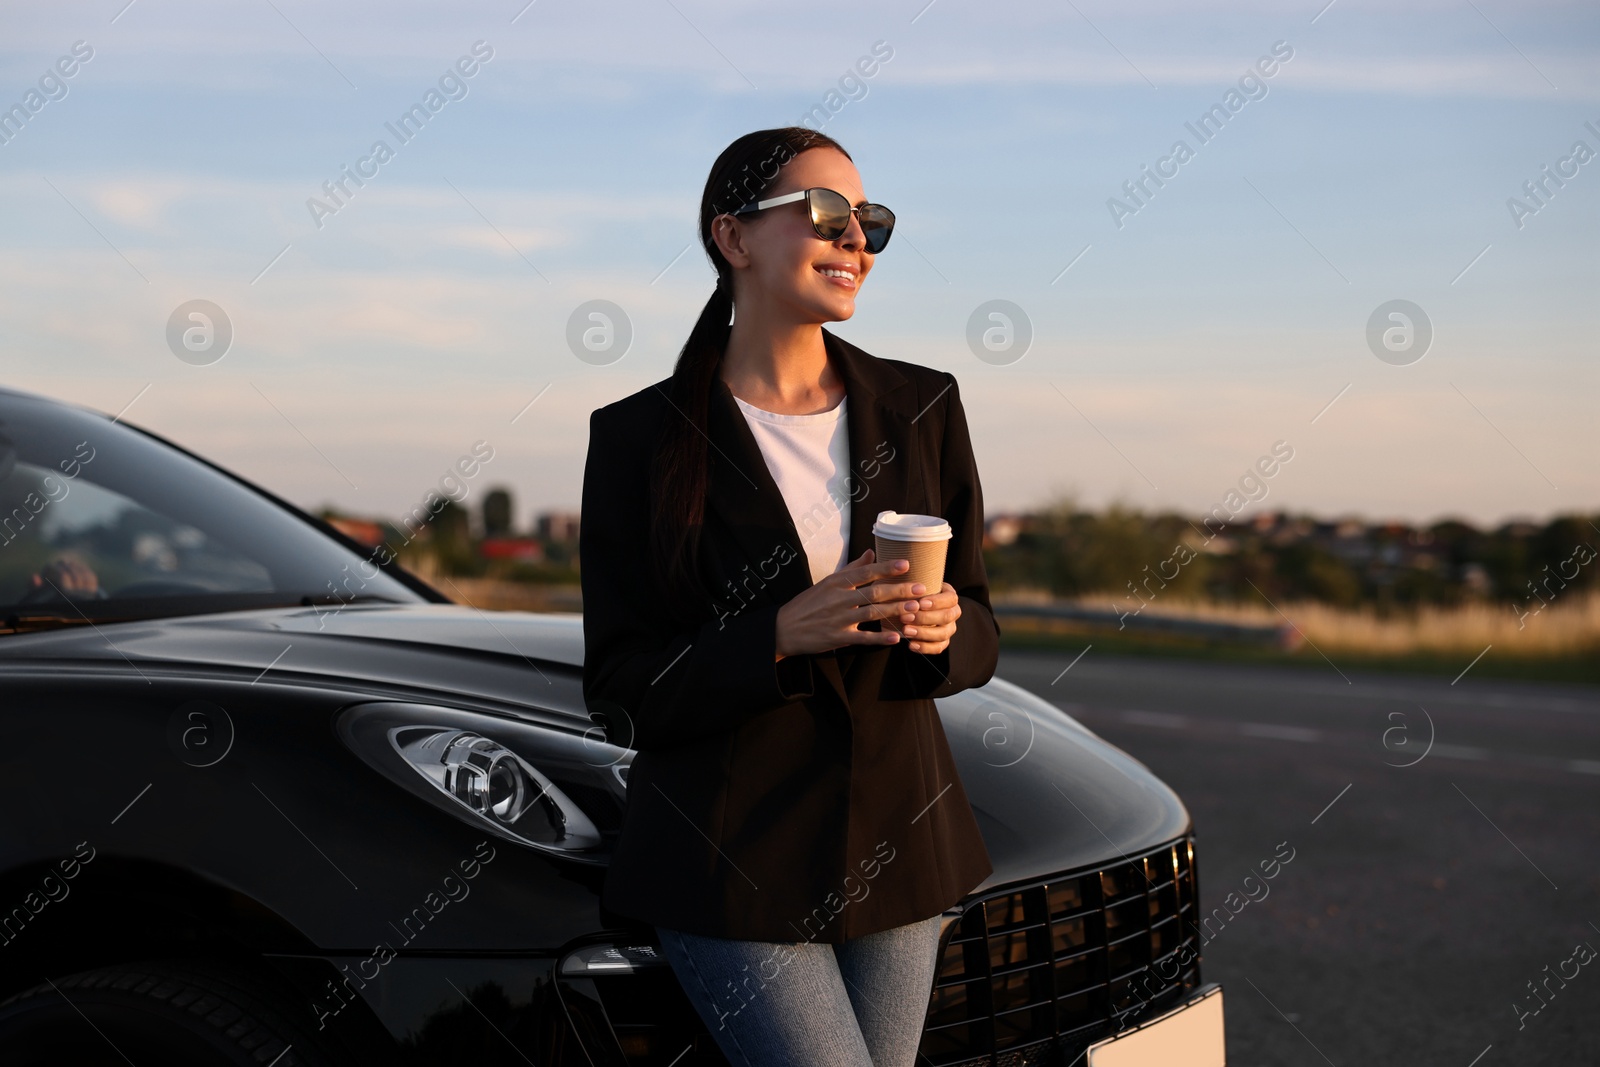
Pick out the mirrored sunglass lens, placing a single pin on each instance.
(877, 223)
(830, 213)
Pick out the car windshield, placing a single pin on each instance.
(101, 522)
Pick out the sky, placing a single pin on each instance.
(1174, 334)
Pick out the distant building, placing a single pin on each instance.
(515, 549)
(363, 531)
(559, 526)
(497, 510)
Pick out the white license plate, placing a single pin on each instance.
(1186, 1036)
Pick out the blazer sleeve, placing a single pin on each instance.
(665, 687)
(973, 653)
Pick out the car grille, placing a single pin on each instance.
(1033, 974)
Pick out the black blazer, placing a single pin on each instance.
(814, 798)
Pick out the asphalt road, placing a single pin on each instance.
(1428, 885)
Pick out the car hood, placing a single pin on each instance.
(1048, 794)
(519, 663)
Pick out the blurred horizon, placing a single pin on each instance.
(1174, 340)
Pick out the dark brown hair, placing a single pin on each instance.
(680, 467)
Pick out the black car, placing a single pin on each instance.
(268, 799)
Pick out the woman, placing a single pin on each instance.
(795, 826)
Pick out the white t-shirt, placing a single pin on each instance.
(809, 457)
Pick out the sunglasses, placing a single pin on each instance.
(830, 215)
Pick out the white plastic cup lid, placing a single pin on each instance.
(898, 527)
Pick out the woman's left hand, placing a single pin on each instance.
(931, 628)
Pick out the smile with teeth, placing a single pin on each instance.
(833, 272)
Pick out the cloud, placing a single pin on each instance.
(1485, 74)
(522, 239)
(554, 53)
(139, 205)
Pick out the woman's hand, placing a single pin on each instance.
(826, 615)
(936, 624)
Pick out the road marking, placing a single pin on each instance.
(1155, 718)
(1280, 733)
(1306, 735)
(1459, 752)
(1218, 677)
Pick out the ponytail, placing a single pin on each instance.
(682, 459)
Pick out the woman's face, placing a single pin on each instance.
(777, 257)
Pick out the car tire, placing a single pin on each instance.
(172, 1012)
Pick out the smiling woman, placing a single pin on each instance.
(785, 733)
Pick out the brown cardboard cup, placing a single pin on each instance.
(922, 540)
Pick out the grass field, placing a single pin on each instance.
(1561, 643)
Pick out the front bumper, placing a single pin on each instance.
(1030, 974)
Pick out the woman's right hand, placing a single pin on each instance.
(825, 615)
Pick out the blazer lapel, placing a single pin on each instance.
(884, 475)
(885, 472)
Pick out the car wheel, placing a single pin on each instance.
(171, 1012)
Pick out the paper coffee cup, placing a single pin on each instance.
(922, 540)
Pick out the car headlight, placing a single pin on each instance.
(481, 768)
(496, 784)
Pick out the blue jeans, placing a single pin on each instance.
(859, 1003)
